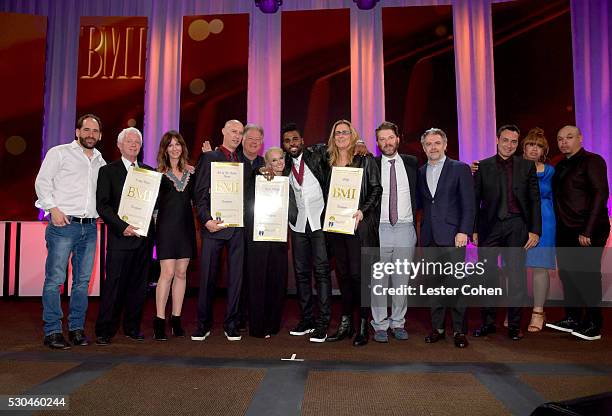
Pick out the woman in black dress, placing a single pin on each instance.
(347, 248)
(175, 233)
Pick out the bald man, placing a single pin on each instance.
(580, 187)
(215, 236)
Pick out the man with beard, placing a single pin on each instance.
(307, 170)
(66, 189)
(397, 232)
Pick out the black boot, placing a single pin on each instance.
(159, 329)
(177, 329)
(362, 337)
(345, 329)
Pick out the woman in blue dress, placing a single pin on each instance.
(541, 258)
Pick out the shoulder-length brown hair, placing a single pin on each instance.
(163, 160)
(536, 136)
(333, 151)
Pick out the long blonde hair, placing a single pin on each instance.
(332, 149)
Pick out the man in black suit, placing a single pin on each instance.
(581, 192)
(396, 230)
(307, 170)
(508, 215)
(215, 236)
(446, 195)
(128, 255)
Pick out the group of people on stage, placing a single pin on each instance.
(502, 201)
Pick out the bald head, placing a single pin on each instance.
(569, 140)
(232, 134)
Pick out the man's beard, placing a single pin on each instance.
(85, 144)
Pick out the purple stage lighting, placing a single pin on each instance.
(268, 6)
(366, 4)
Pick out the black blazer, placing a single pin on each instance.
(108, 196)
(581, 192)
(451, 210)
(487, 192)
(201, 192)
(251, 171)
(315, 157)
(410, 164)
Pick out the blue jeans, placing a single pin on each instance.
(80, 240)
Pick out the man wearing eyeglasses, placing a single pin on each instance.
(66, 191)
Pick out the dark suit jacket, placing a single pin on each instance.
(315, 157)
(108, 196)
(202, 193)
(451, 210)
(251, 171)
(581, 192)
(488, 194)
(411, 165)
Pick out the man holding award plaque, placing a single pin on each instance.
(128, 251)
(219, 197)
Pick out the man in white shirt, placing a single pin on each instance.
(66, 189)
(397, 232)
(307, 170)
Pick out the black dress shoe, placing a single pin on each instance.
(484, 330)
(103, 340)
(515, 334)
(363, 335)
(77, 337)
(136, 336)
(56, 342)
(345, 329)
(434, 336)
(460, 340)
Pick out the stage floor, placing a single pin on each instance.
(494, 375)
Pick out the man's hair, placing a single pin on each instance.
(509, 127)
(124, 133)
(289, 127)
(387, 125)
(82, 119)
(253, 126)
(432, 131)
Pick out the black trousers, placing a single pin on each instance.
(124, 290)
(347, 251)
(456, 303)
(511, 234)
(267, 276)
(209, 273)
(310, 254)
(580, 273)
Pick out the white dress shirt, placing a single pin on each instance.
(308, 198)
(67, 180)
(404, 205)
(127, 163)
(432, 174)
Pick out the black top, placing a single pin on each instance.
(175, 226)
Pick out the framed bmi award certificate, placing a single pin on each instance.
(138, 198)
(271, 209)
(226, 193)
(342, 200)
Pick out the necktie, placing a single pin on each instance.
(392, 193)
(133, 165)
(299, 176)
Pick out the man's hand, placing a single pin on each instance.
(58, 218)
(267, 172)
(206, 147)
(460, 240)
(532, 241)
(130, 231)
(358, 216)
(584, 241)
(475, 239)
(474, 166)
(213, 226)
(361, 149)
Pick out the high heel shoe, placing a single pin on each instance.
(538, 319)
(159, 330)
(363, 336)
(177, 329)
(345, 329)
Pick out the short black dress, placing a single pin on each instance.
(175, 230)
